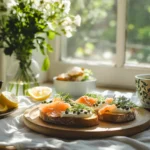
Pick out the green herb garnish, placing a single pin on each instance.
(78, 107)
(87, 75)
(100, 98)
(65, 97)
(123, 102)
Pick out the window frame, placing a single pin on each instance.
(118, 75)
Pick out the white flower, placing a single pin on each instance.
(66, 5)
(47, 7)
(50, 26)
(68, 34)
(36, 3)
(77, 20)
(51, 1)
(10, 3)
(66, 21)
(68, 30)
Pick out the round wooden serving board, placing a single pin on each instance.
(104, 129)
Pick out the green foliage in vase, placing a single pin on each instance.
(29, 25)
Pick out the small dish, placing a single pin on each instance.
(74, 88)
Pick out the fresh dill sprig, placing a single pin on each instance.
(78, 106)
(65, 97)
(98, 97)
(123, 101)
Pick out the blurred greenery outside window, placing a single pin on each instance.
(138, 32)
(96, 40)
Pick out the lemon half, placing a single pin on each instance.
(3, 108)
(40, 93)
(9, 99)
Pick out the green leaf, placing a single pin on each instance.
(41, 38)
(51, 35)
(49, 48)
(46, 64)
(42, 49)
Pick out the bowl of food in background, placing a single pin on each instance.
(76, 82)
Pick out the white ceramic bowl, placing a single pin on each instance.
(74, 88)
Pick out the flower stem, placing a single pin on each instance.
(24, 79)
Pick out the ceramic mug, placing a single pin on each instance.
(142, 82)
(1, 82)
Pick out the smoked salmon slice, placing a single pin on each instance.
(109, 100)
(54, 109)
(89, 101)
(107, 108)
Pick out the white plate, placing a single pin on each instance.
(7, 113)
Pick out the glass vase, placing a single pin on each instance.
(22, 75)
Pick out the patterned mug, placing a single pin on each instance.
(142, 82)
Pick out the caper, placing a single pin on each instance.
(66, 112)
(78, 113)
(127, 108)
(124, 107)
(85, 112)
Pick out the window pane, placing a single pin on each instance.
(95, 39)
(138, 32)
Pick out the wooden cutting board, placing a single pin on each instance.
(104, 129)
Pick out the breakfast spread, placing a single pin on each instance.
(87, 110)
(76, 74)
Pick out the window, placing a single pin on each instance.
(98, 32)
(138, 32)
(113, 41)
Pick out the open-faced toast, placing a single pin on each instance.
(76, 74)
(118, 110)
(68, 113)
(117, 117)
(71, 121)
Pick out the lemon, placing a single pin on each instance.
(40, 93)
(9, 99)
(3, 108)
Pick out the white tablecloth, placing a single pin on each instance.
(14, 132)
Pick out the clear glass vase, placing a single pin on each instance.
(22, 75)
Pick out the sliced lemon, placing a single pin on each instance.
(9, 99)
(3, 108)
(40, 93)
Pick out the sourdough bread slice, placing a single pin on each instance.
(117, 117)
(71, 121)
